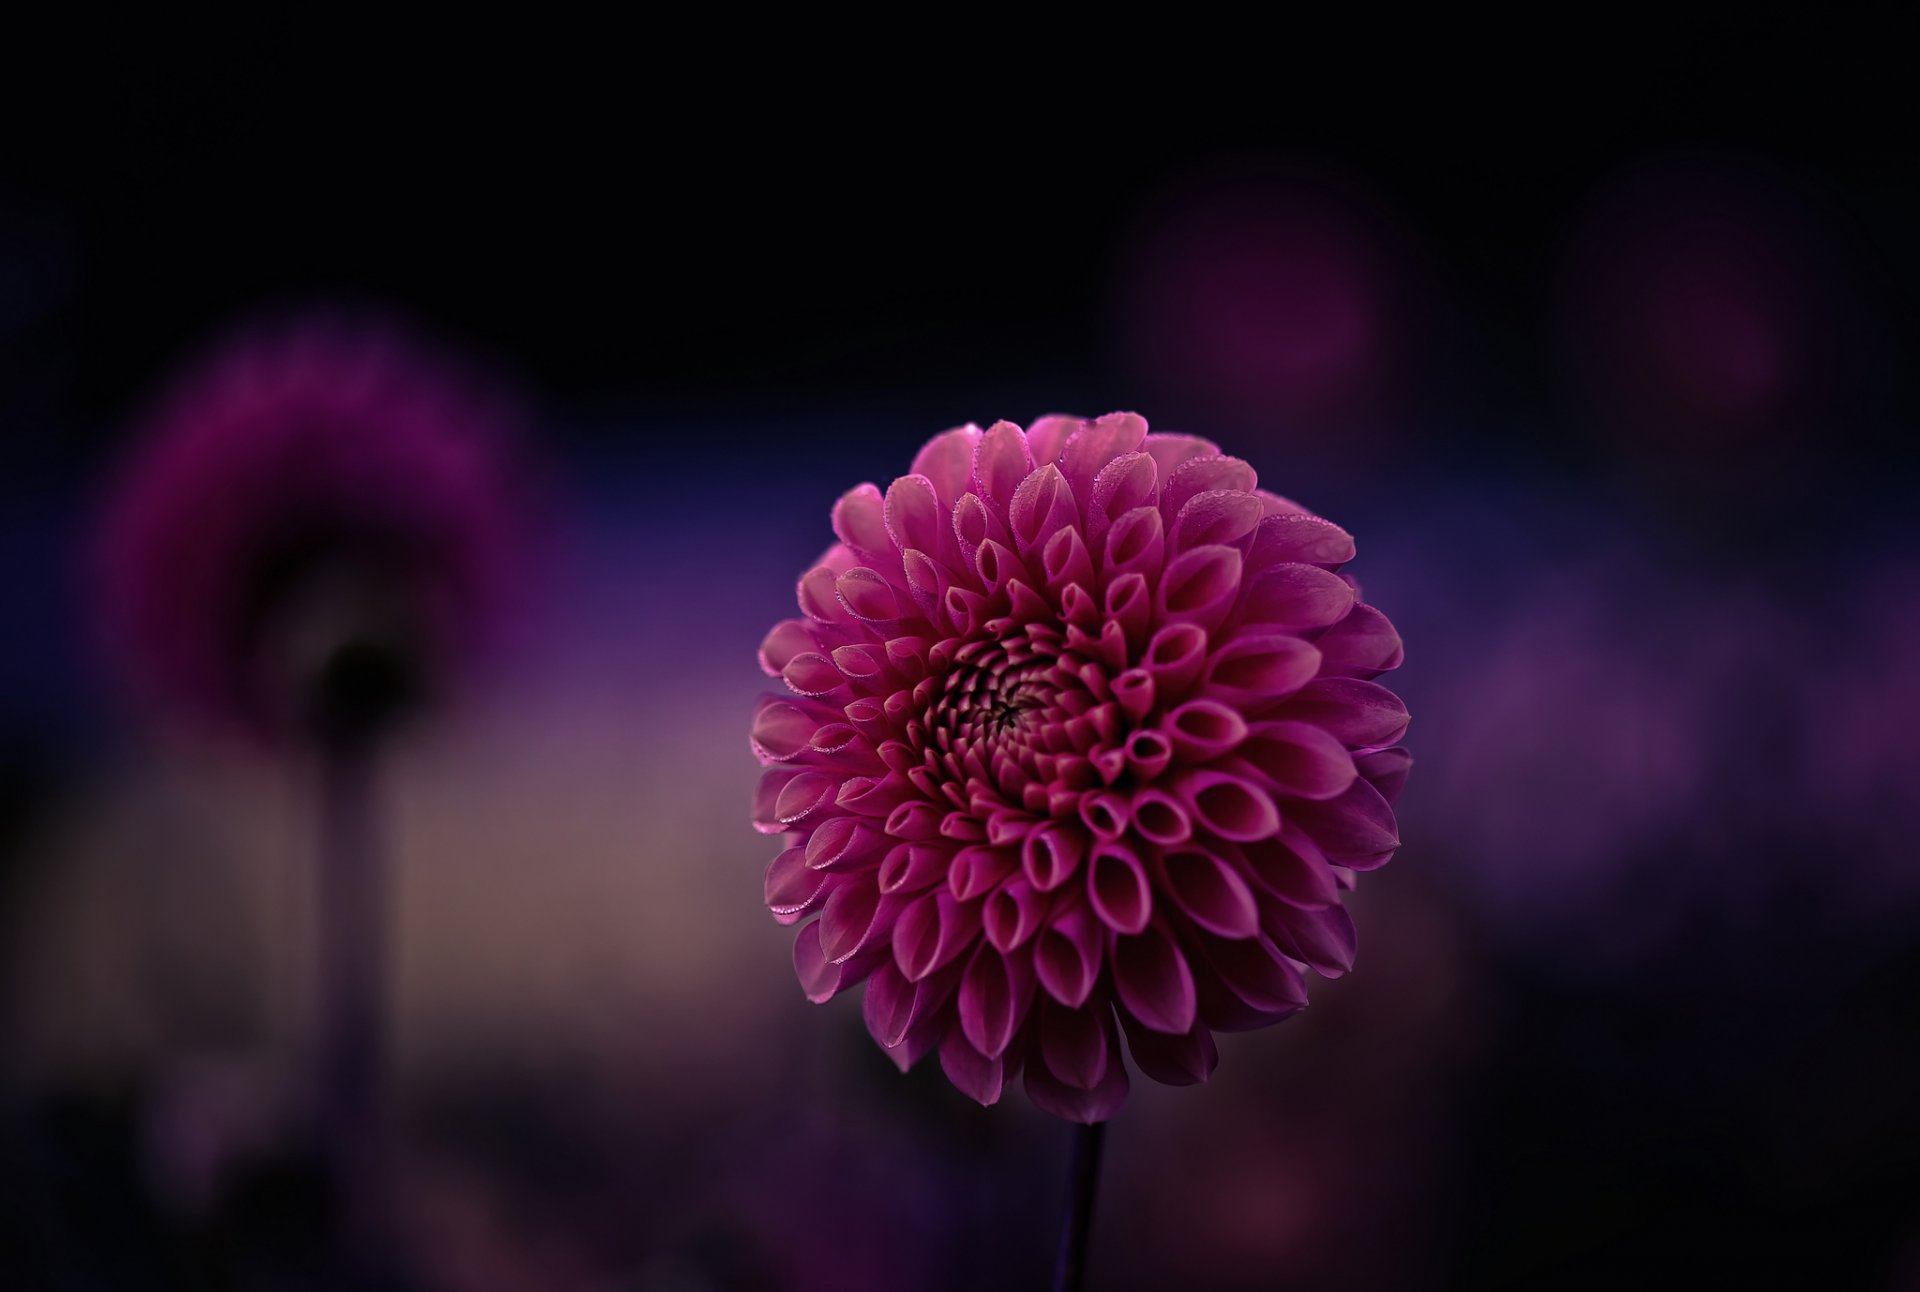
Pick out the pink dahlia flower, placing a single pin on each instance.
(1081, 739)
(323, 486)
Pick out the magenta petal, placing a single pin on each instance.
(811, 673)
(1299, 759)
(972, 1073)
(995, 993)
(845, 843)
(1254, 669)
(1105, 814)
(1129, 481)
(819, 977)
(1066, 957)
(977, 869)
(1074, 1043)
(931, 931)
(1012, 914)
(1042, 506)
(1136, 544)
(1200, 475)
(867, 595)
(1159, 817)
(1049, 856)
(1169, 451)
(787, 796)
(859, 521)
(1233, 807)
(789, 638)
(1256, 972)
(1356, 829)
(1210, 892)
(1324, 938)
(1048, 435)
(782, 729)
(1219, 516)
(1296, 595)
(1000, 462)
(1296, 536)
(1117, 888)
(1293, 869)
(947, 461)
(791, 889)
(856, 917)
(913, 867)
(1387, 770)
(1362, 645)
(1202, 730)
(887, 1006)
(1153, 981)
(1174, 657)
(1054, 1096)
(1200, 586)
(1359, 714)
(914, 519)
(1184, 1060)
(1098, 442)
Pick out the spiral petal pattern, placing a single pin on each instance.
(1080, 737)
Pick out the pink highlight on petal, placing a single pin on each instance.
(1048, 435)
(1149, 753)
(914, 518)
(1107, 815)
(782, 729)
(1153, 982)
(1089, 449)
(867, 595)
(1065, 560)
(819, 977)
(1128, 482)
(800, 797)
(812, 674)
(1200, 475)
(1169, 451)
(916, 820)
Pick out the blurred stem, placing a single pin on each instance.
(1083, 1185)
(352, 979)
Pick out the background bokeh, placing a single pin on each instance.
(1618, 403)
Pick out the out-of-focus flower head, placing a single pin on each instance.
(320, 523)
(1270, 300)
(1699, 310)
(1081, 737)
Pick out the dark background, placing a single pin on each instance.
(1645, 1004)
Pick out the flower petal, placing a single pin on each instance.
(1117, 888)
(995, 992)
(1153, 981)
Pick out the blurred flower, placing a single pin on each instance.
(1269, 301)
(1081, 732)
(325, 503)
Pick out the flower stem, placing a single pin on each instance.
(1083, 1184)
(351, 1056)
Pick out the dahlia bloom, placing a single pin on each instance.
(1081, 738)
(322, 484)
